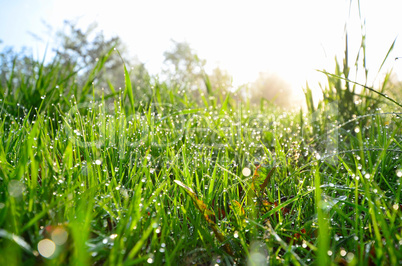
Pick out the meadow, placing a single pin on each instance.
(93, 177)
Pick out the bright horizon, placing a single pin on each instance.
(287, 38)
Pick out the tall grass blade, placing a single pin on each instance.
(364, 86)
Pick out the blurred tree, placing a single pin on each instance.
(183, 67)
(85, 47)
(9, 58)
(77, 54)
(221, 80)
(25, 82)
(272, 88)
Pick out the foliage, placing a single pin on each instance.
(84, 48)
(221, 80)
(120, 179)
(26, 82)
(101, 187)
(351, 98)
(395, 88)
(184, 68)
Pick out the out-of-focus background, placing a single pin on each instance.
(272, 47)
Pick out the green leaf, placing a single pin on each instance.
(128, 87)
(207, 214)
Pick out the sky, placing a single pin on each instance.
(289, 38)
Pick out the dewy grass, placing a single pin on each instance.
(97, 183)
(94, 178)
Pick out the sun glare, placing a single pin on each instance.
(288, 38)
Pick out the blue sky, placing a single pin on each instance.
(289, 38)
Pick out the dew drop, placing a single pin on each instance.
(399, 173)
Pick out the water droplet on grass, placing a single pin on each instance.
(399, 173)
(236, 234)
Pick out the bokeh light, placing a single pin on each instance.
(59, 236)
(246, 171)
(46, 248)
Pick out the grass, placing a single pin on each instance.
(95, 178)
